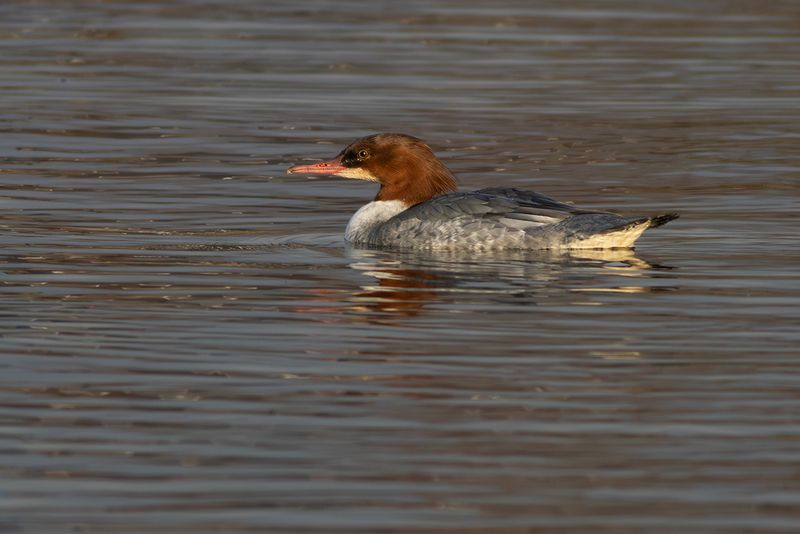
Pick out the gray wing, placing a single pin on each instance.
(502, 207)
(502, 218)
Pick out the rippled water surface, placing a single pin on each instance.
(188, 346)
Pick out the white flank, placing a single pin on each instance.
(620, 239)
(369, 216)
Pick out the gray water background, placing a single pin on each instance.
(188, 346)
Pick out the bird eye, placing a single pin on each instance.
(363, 154)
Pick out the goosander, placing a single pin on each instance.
(418, 206)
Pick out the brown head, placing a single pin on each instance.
(405, 167)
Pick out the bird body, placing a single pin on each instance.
(417, 206)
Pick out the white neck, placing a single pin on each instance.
(369, 216)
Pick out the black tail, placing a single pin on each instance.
(652, 222)
(661, 220)
(606, 230)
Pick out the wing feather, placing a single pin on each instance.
(491, 208)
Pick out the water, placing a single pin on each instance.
(188, 346)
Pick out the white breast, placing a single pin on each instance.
(369, 216)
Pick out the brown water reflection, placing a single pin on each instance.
(406, 281)
(186, 345)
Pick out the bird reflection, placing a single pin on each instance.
(401, 291)
(403, 283)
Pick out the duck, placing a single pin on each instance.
(419, 206)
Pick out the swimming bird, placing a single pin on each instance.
(418, 206)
